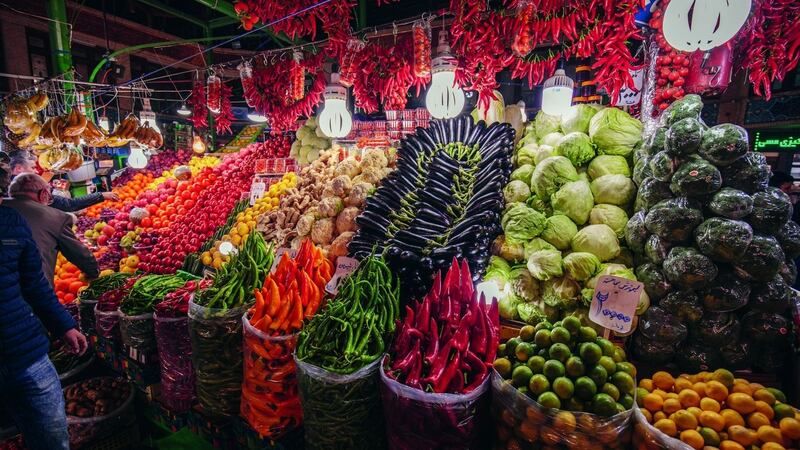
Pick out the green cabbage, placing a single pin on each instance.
(551, 174)
(562, 292)
(530, 313)
(534, 245)
(599, 240)
(510, 252)
(551, 139)
(540, 205)
(615, 132)
(523, 284)
(542, 153)
(608, 165)
(614, 189)
(508, 306)
(574, 200)
(526, 154)
(545, 264)
(613, 216)
(581, 265)
(523, 173)
(559, 231)
(516, 191)
(498, 270)
(577, 118)
(521, 223)
(545, 123)
(577, 147)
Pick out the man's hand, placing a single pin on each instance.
(75, 342)
(110, 196)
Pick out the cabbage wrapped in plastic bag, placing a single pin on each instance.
(690, 105)
(652, 351)
(716, 329)
(659, 325)
(772, 208)
(636, 232)
(674, 220)
(656, 249)
(789, 237)
(651, 191)
(762, 260)
(683, 304)
(774, 296)
(750, 173)
(765, 328)
(655, 282)
(695, 178)
(723, 240)
(726, 293)
(663, 166)
(695, 357)
(687, 268)
(723, 144)
(684, 137)
(731, 203)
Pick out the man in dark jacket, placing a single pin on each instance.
(52, 229)
(22, 162)
(29, 385)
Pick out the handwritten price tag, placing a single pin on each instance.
(344, 266)
(614, 303)
(279, 254)
(257, 190)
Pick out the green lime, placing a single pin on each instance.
(571, 323)
(560, 334)
(543, 325)
(620, 408)
(501, 350)
(526, 333)
(524, 390)
(542, 338)
(543, 353)
(573, 404)
(611, 390)
(549, 400)
(710, 437)
(503, 367)
(626, 401)
(521, 375)
(778, 394)
(782, 410)
(606, 362)
(585, 388)
(511, 346)
(536, 364)
(560, 352)
(590, 353)
(598, 374)
(626, 367)
(624, 382)
(563, 387)
(604, 405)
(524, 351)
(574, 367)
(640, 393)
(553, 369)
(619, 354)
(557, 324)
(587, 334)
(515, 364)
(607, 346)
(538, 384)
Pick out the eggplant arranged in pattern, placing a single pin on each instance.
(443, 201)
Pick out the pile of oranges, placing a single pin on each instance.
(714, 410)
(68, 280)
(127, 193)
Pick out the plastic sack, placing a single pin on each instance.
(341, 411)
(83, 430)
(427, 420)
(270, 402)
(106, 323)
(648, 437)
(216, 336)
(175, 360)
(522, 423)
(87, 315)
(138, 332)
(661, 326)
(74, 310)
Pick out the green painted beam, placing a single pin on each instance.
(60, 41)
(362, 13)
(222, 22)
(175, 12)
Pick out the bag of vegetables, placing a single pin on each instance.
(87, 315)
(175, 360)
(106, 323)
(138, 332)
(98, 407)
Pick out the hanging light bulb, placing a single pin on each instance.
(445, 99)
(198, 146)
(102, 122)
(137, 159)
(147, 116)
(256, 117)
(335, 120)
(183, 110)
(691, 25)
(557, 93)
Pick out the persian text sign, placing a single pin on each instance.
(614, 303)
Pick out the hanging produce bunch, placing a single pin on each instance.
(197, 100)
(222, 121)
(567, 205)
(715, 246)
(672, 66)
(441, 202)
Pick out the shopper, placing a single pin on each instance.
(29, 386)
(52, 229)
(23, 162)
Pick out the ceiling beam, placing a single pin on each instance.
(175, 12)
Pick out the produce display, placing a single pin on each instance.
(713, 409)
(310, 142)
(194, 262)
(714, 245)
(97, 407)
(291, 295)
(445, 345)
(97, 288)
(441, 202)
(68, 281)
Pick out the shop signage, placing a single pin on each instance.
(776, 142)
(614, 303)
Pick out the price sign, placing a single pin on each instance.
(344, 266)
(614, 303)
(279, 254)
(257, 190)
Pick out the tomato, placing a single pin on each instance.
(147, 222)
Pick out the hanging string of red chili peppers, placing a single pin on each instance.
(198, 103)
(223, 120)
(421, 33)
(297, 77)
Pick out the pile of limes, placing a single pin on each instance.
(567, 366)
(714, 410)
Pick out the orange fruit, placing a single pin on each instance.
(663, 380)
(693, 439)
(731, 417)
(768, 433)
(667, 427)
(653, 402)
(723, 376)
(764, 408)
(790, 427)
(730, 445)
(647, 415)
(682, 383)
(742, 435)
(756, 420)
(712, 420)
(658, 416)
(765, 396)
(741, 403)
(772, 446)
(646, 383)
(709, 404)
(756, 386)
(672, 395)
(684, 420)
(695, 411)
(688, 397)
(742, 388)
(700, 388)
(661, 393)
(716, 390)
(671, 405)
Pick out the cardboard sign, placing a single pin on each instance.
(257, 190)
(344, 266)
(279, 254)
(632, 96)
(614, 303)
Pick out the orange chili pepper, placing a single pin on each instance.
(275, 298)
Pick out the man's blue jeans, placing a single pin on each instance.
(33, 398)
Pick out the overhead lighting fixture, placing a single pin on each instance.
(256, 117)
(335, 120)
(137, 159)
(147, 116)
(557, 93)
(691, 25)
(183, 110)
(445, 99)
(198, 147)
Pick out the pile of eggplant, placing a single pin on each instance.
(444, 200)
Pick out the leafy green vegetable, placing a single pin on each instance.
(656, 141)
(642, 170)
(508, 306)
(545, 264)
(577, 118)
(530, 313)
(662, 166)
(544, 124)
(574, 200)
(689, 269)
(656, 249)
(523, 284)
(516, 191)
(684, 304)
(723, 240)
(762, 259)
(696, 178)
(724, 143)
(523, 173)
(772, 208)
(498, 270)
(727, 293)
(540, 205)
(731, 203)
(750, 173)
(615, 132)
(551, 140)
(608, 165)
(651, 191)
(599, 240)
(559, 231)
(684, 137)
(789, 237)
(613, 189)
(534, 245)
(581, 265)
(521, 223)
(510, 252)
(525, 155)
(689, 106)
(562, 293)
(655, 282)
(551, 174)
(577, 147)
(611, 215)
(636, 232)
(774, 296)
(544, 152)
(673, 219)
